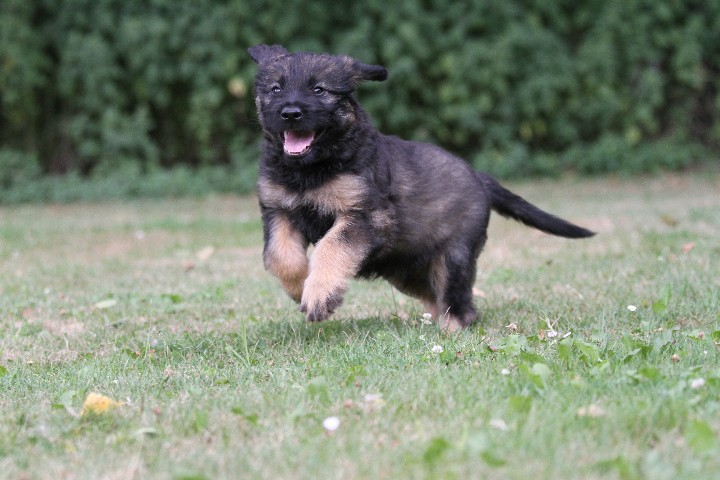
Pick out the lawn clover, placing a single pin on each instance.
(593, 411)
(696, 383)
(426, 319)
(437, 349)
(498, 424)
(373, 397)
(373, 401)
(331, 424)
(632, 308)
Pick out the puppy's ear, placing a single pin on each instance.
(363, 71)
(265, 53)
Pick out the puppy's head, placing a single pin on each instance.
(304, 100)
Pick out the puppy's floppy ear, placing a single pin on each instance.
(265, 53)
(363, 71)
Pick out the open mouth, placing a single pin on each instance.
(297, 143)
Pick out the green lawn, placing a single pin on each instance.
(164, 306)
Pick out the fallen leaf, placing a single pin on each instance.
(105, 304)
(205, 253)
(669, 220)
(98, 404)
(688, 247)
(593, 411)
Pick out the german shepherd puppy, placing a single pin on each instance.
(373, 205)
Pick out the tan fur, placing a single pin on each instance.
(332, 264)
(340, 195)
(450, 323)
(285, 256)
(438, 282)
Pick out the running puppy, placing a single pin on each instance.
(373, 205)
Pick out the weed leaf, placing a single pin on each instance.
(492, 459)
(317, 389)
(590, 352)
(532, 358)
(435, 450)
(564, 349)
(700, 436)
(520, 403)
(251, 418)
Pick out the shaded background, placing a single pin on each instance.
(110, 98)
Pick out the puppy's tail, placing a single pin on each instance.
(510, 205)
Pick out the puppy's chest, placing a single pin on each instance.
(314, 211)
(339, 196)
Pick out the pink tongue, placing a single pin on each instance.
(296, 141)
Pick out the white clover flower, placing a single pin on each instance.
(551, 334)
(331, 424)
(498, 424)
(426, 319)
(696, 383)
(373, 397)
(505, 371)
(632, 308)
(437, 349)
(593, 411)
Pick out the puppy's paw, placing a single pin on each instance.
(450, 323)
(319, 308)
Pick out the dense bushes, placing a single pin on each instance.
(96, 87)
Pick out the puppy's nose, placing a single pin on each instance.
(291, 112)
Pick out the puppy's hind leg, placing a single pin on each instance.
(454, 283)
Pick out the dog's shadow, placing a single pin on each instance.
(331, 332)
(299, 334)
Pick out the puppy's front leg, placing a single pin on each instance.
(337, 257)
(284, 254)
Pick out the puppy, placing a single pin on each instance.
(372, 205)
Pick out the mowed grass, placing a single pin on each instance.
(165, 307)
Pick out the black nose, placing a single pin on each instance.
(291, 113)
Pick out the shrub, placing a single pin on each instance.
(516, 87)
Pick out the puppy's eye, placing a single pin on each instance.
(318, 90)
(275, 89)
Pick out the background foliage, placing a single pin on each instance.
(118, 91)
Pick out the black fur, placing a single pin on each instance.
(374, 205)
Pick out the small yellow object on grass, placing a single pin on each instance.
(97, 404)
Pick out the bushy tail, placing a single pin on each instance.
(510, 205)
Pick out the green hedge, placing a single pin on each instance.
(519, 87)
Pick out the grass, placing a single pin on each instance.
(164, 306)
